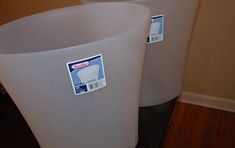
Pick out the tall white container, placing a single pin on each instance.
(37, 54)
(165, 58)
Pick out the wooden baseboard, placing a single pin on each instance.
(208, 101)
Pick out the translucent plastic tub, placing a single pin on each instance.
(40, 60)
(165, 57)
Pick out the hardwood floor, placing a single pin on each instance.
(194, 126)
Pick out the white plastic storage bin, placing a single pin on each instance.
(165, 59)
(75, 73)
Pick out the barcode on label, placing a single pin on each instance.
(154, 38)
(93, 85)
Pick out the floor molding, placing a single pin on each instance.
(208, 101)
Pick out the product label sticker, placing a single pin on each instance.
(87, 74)
(156, 29)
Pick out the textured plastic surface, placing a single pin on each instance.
(165, 61)
(33, 56)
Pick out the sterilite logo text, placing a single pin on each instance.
(80, 65)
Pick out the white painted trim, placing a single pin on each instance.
(208, 101)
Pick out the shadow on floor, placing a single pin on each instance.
(153, 122)
(15, 132)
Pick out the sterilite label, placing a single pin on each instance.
(156, 29)
(87, 74)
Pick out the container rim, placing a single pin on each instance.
(143, 9)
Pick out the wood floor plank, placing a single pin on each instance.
(193, 126)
